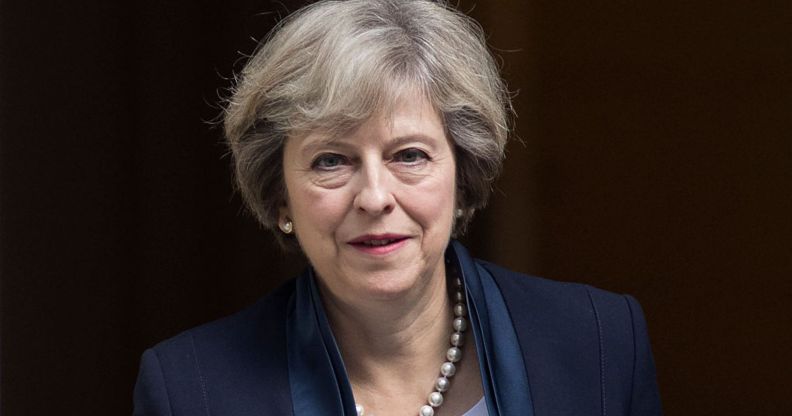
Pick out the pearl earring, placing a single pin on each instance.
(458, 212)
(287, 226)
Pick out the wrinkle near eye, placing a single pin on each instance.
(412, 175)
(330, 180)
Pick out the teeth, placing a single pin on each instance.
(377, 242)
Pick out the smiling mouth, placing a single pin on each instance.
(378, 244)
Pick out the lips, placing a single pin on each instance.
(378, 243)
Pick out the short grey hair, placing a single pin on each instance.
(333, 64)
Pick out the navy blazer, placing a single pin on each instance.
(585, 352)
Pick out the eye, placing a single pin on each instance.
(328, 161)
(411, 156)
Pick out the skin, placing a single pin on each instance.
(391, 312)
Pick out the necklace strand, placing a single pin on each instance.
(453, 355)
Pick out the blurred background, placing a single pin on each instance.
(653, 159)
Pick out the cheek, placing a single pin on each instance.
(432, 202)
(318, 212)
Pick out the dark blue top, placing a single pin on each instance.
(544, 348)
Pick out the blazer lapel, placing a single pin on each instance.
(503, 372)
(318, 379)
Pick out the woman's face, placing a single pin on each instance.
(373, 210)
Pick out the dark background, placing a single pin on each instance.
(654, 161)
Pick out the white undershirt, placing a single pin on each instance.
(479, 409)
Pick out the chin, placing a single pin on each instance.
(389, 285)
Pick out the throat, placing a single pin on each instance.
(412, 367)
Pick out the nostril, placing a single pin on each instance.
(374, 202)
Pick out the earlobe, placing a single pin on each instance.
(287, 226)
(285, 222)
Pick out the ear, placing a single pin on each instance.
(283, 213)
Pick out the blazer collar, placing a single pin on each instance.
(319, 382)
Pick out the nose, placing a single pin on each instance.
(374, 196)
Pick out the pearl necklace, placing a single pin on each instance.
(454, 354)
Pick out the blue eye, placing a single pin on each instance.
(411, 156)
(328, 161)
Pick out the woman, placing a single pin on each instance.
(366, 134)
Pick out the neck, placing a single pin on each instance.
(392, 343)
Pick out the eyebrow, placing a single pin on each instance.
(417, 137)
(329, 141)
(339, 142)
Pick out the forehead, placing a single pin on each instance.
(408, 116)
(407, 113)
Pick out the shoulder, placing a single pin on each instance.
(601, 335)
(557, 298)
(221, 365)
(567, 310)
(234, 331)
(227, 338)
